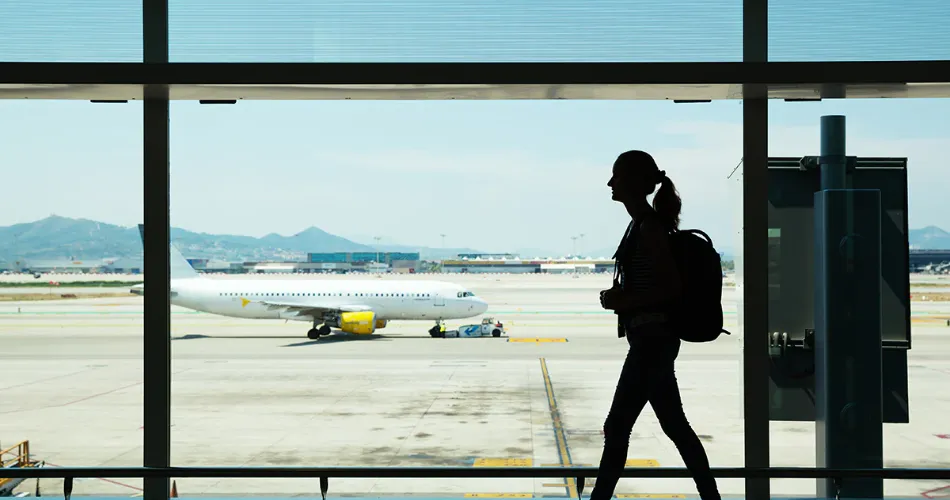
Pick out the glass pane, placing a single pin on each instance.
(858, 30)
(65, 31)
(507, 200)
(454, 30)
(914, 409)
(70, 330)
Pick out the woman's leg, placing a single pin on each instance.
(629, 399)
(668, 407)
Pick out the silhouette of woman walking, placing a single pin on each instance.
(648, 282)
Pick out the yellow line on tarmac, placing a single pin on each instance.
(642, 462)
(650, 495)
(499, 495)
(503, 462)
(564, 453)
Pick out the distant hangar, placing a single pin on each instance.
(511, 263)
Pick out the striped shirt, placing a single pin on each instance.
(637, 273)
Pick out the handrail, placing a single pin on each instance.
(463, 472)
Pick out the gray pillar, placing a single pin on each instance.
(848, 380)
(833, 146)
(755, 292)
(157, 363)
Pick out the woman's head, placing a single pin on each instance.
(636, 176)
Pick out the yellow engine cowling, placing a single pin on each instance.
(381, 323)
(360, 323)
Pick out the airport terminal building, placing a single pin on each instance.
(937, 261)
(397, 262)
(513, 264)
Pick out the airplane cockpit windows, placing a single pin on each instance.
(465, 294)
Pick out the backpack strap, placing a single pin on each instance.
(617, 257)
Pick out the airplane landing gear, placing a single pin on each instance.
(315, 333)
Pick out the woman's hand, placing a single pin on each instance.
(612, 299)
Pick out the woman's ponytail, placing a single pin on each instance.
(667, 203)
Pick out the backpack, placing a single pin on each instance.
(697, 317)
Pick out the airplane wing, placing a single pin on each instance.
(312, 309)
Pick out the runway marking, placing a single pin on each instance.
(503, 462)
(537, 340)
(563, 451)
(86, 398)
(72, 402)
(642, 462)
(649, 495)
(65, 375)
(499, 495)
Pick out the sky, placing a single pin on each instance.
(493, 175)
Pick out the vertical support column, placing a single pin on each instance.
(755, 345)
(755, 338)
(848, 327)
(833, 145)
(157, 421)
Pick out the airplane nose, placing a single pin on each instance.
(482, 306)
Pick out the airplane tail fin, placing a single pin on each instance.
(180, 268)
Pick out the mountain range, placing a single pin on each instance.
(57, 237)
(929, 238)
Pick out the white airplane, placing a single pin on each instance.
(357, 307)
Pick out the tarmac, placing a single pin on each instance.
(258, 392)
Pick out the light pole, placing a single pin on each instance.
(442, 255)
(574, 247)
(377, 238)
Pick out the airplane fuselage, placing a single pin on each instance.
(389, 300)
